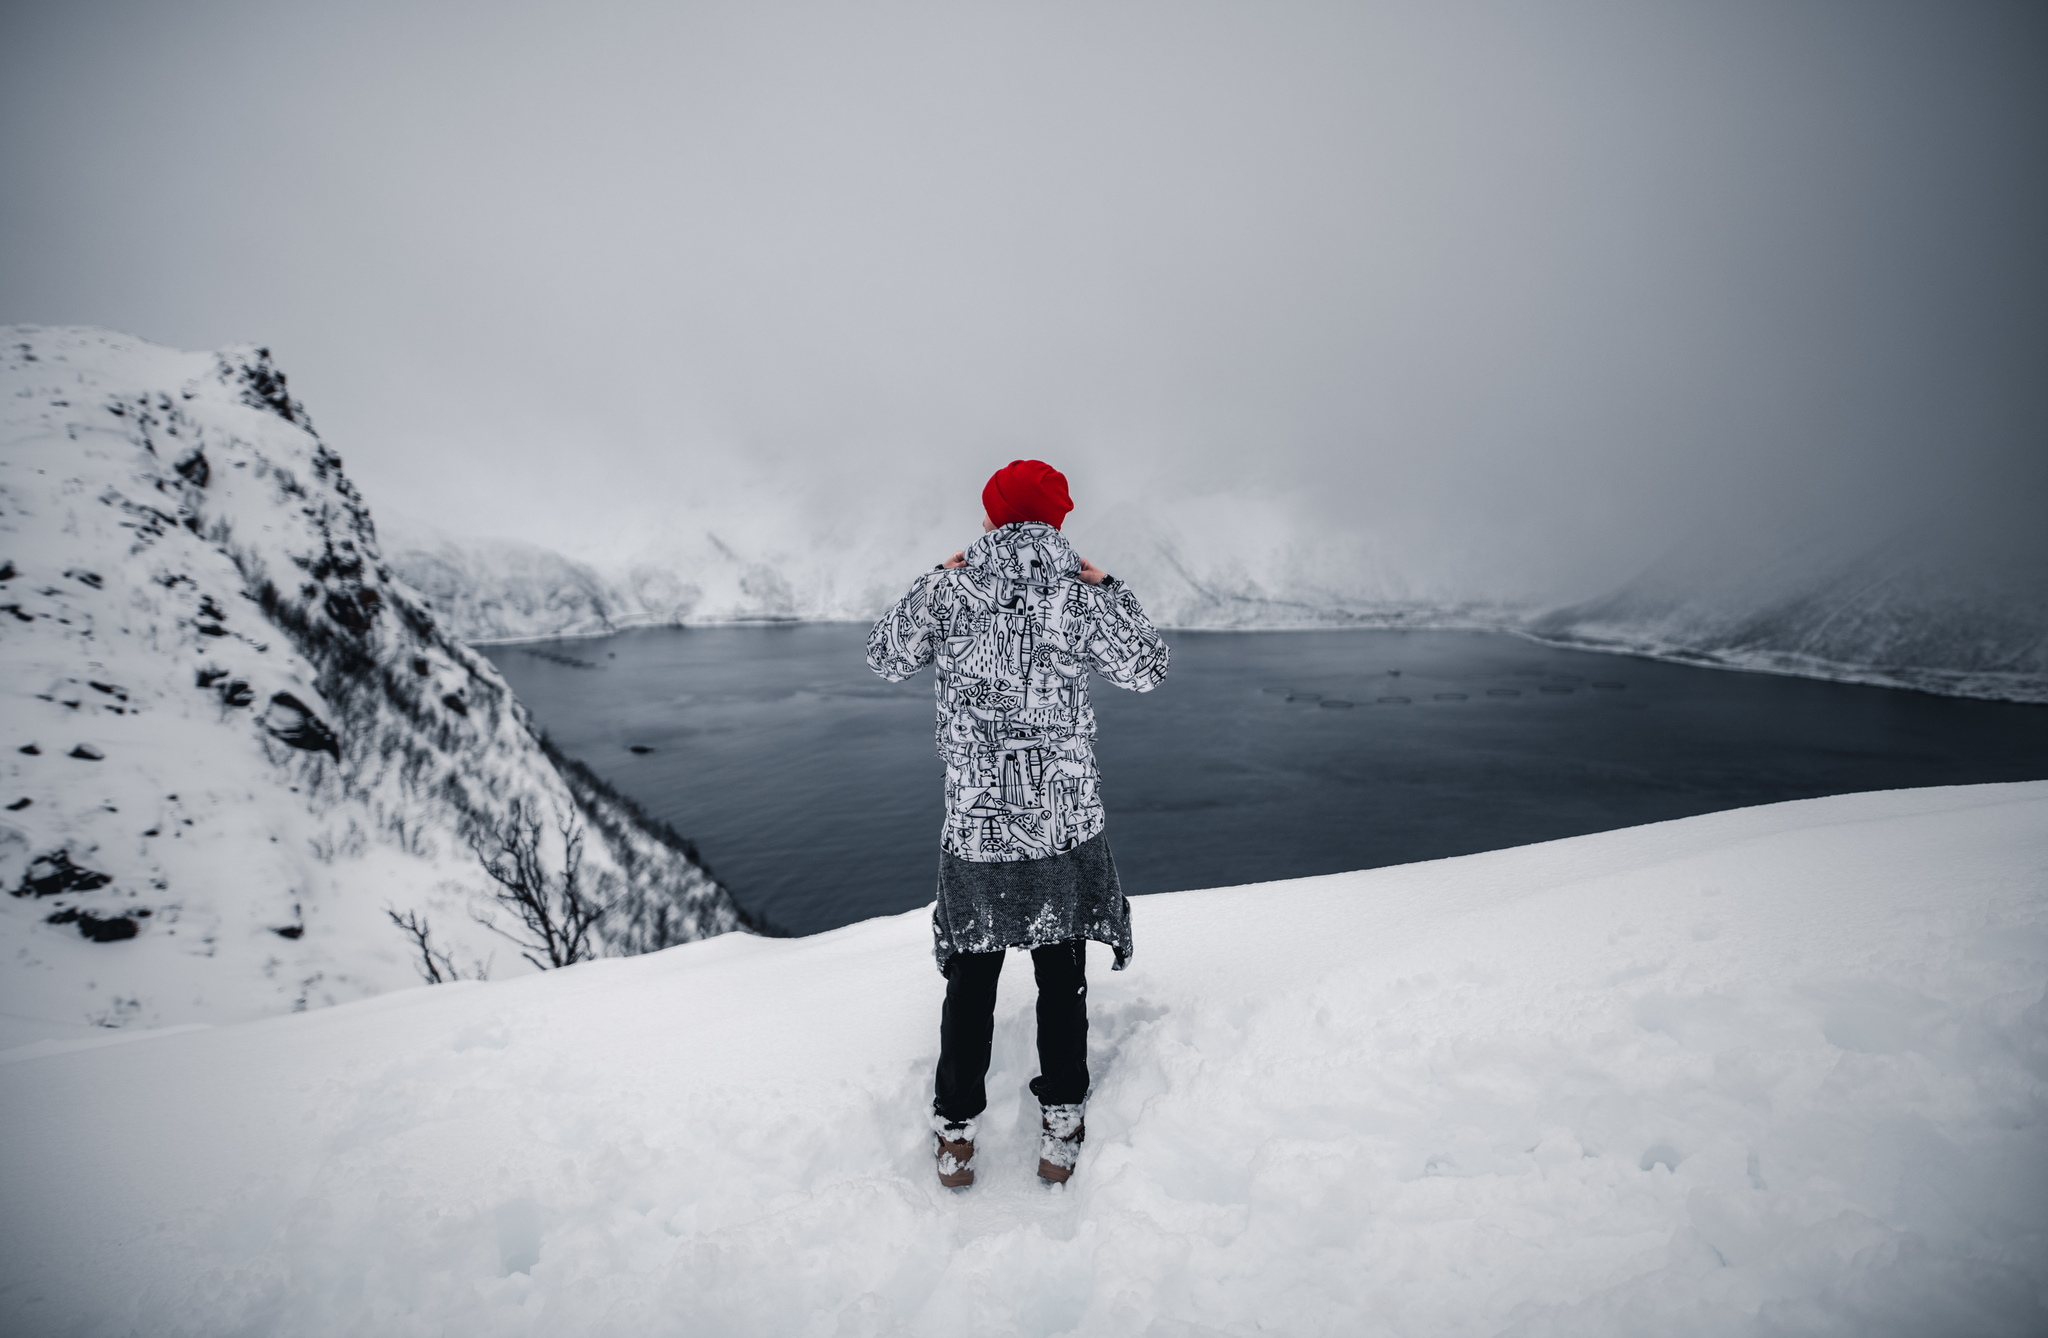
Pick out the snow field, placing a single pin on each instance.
(1771, 1071)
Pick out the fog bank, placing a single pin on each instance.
(1465, 301)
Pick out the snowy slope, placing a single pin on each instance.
(232, 739)
(1780, 1070)
(1943, 608)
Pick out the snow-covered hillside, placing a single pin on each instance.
(234, 742)
(1780, 1070)
(1943, 608)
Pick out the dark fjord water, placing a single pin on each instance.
(812, 788)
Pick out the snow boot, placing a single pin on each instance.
(956, 1151)
(1059, 1145)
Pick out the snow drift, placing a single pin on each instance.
(1778, 1070)
(233, 740)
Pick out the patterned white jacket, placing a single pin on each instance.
(1013, 634)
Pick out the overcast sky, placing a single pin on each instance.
(1521, 291)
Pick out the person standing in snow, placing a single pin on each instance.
(1013, 625)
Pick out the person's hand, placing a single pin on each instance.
(958, 559)
(1089, 572)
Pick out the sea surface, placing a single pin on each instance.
(812, 787)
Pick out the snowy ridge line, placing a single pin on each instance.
(1772, 1070)
(1950, 605)
(237, 746)
(1980, 630)
(2025, 689)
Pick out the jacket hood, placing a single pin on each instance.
(1029, 552)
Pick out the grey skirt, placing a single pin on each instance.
(986, 906)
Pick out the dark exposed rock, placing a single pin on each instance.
(233, 691)
(355, 612)
(19, 804)
(91, 578)
(455, 704)
(292, 721)
(194, 469)
(289, 931)
(31, 750)
(86, 752)
(110, 930)
(6, 571)
(263, 387)
(50, 875)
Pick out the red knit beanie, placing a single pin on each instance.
(1027, 490)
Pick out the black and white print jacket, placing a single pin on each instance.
(1013, 634)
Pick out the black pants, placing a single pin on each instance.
(968, 1023)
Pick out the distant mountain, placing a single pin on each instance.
(1942, 607)
(505, 590)
(235, 743)
(490, 589)
(1951, 609)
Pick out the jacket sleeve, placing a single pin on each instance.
(1123, 646)
(903, 641)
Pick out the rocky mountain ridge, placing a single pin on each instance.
(240, 750)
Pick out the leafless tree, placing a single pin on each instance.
(556, 912)
(438, 967)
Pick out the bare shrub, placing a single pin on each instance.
(436, 966)
(557, 913)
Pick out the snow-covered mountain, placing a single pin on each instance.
(1187, 573)
(1942, 607)
(505, 590)
(235, 744)
(1949, 610)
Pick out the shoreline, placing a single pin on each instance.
(1952, 684)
